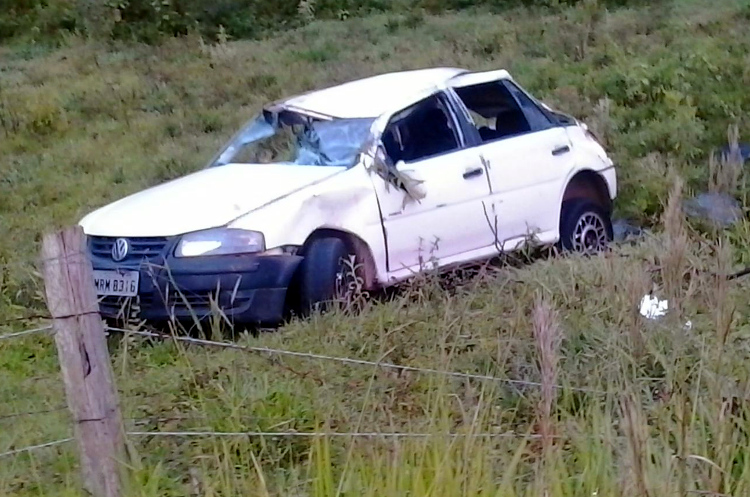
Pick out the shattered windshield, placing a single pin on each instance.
(291, 138)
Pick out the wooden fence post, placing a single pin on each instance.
(84, 360)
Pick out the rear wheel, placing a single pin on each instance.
(584, 227)
(325, 274)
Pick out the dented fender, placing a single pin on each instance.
(345, 202)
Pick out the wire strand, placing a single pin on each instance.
(35, 447)
(36, 263)
(30, 317)
(346, 360)
(27, 332)
(373, 434)
(32, 413)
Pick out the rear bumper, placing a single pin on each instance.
(246, 289)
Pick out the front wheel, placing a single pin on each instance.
(584, 227)
(324, 274)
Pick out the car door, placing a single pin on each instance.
(426, 142)
(527, 154)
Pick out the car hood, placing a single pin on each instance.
(206, 199)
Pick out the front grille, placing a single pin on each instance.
(140, 248)
(174, 298)
(125, 309)
(204, 301)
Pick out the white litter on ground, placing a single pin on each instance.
(652, 307)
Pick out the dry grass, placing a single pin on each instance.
(548, 338)
(665, 410)
(725, 171)
(674, 260)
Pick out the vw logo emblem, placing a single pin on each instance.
(120, 249)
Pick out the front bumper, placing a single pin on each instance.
(246, 289)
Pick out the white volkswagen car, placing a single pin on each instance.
(394, 172)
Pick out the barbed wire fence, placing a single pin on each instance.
(270, 434)
(6, 338)
(48, 330)
(92, 399)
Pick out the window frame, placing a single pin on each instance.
(460, 126)
(509, 85)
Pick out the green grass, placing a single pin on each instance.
(85, 124)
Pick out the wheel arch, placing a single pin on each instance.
(591, 185)
(356, 245)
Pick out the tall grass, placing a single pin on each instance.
(547, 336)
(669, 421)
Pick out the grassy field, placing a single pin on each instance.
(644, 408)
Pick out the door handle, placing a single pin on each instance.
(564, 149)
(471, 173)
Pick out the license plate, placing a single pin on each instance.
(116, 283)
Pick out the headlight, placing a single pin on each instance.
(220, 241)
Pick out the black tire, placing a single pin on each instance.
(584, 227)
(322, 274)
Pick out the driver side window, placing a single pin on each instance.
(423, 130)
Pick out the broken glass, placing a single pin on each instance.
(292, 138)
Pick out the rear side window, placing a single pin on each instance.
(536, 118)
(499, 111)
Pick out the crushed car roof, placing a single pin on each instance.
(371, 97)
